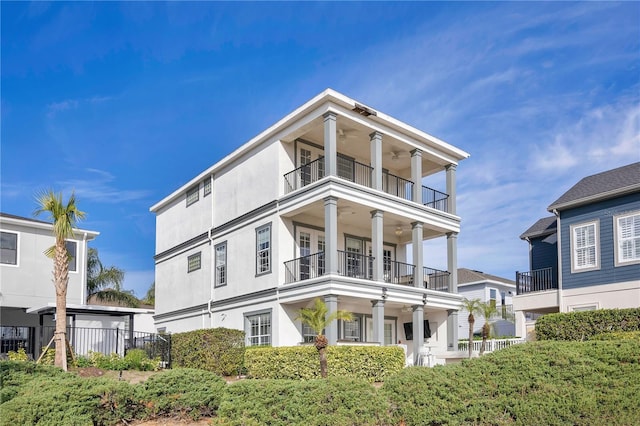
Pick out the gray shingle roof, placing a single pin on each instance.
(544, 226)
(469, 276)
(612, 183)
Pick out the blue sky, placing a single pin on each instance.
(125, 102)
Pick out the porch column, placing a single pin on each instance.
(378, 321)
(332, 329)
(452, 330)
(376, 244)
(330, 145)
(376, 160)
(331, 235)
(416, 175)
(416, 242)
(451, 187)
(418, 331)
(131, 343)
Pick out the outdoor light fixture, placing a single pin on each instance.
(384, 293)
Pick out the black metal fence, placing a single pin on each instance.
(536, 280)
(435, 199)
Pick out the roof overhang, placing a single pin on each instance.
(50, 308)
(595, 198)
(36, 224)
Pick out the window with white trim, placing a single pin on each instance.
(308, 334)
(193, 195)
(584, 247)
(263, 249)
(627, 233)
(221, 264)
(258, 329)
(207, 187)
(8, 248)
(194, 262)
(71, 247)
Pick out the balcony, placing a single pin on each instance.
(536, 280)
(356, 265)
(362, 174)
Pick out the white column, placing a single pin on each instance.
(330, 145)
(452, 267)
(378, 321)
(452, 330)
(418, 331)
(376, 244)
(416, 175)
(418, 261)
(331, 235)
(332, 329)
(451, 187)
(376, 160)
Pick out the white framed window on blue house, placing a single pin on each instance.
(585, 247)
(263, 249)
(193, 195)
(221, 264)
(72, 246)
(257, 326)
(627, 239)
(8, 248)
(194, 262)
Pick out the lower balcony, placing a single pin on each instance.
(536, 280)
(356, 265)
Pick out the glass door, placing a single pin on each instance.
(354, 264)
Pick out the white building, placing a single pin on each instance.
(27, 294)
(327, 203)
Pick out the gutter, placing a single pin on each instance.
(559, 257)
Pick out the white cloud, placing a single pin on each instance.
(98, 186)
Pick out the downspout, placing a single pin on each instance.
(559, 256)
(83, 271)
(212, 260)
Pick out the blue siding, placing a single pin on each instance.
(544, 254)
(603, 212)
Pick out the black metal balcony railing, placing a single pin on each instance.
(398, 272)
(435, 279)
(354, 172)
(355, 265)
(395, 185)
(435, 199)
(304, 268)
(304, 175)
(536, 280)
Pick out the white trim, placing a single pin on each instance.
(616, 246)
(583, 307)
(572, 228)
(42, 225)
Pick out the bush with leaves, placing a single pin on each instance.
(135, 359)
(220, 350)
(19, 355)
(585, 325)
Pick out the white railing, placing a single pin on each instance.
(491, 345)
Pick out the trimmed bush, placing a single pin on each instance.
(183, 391)
(372, 363)
(586, 324)
(619, 335)
(220, 350)
(332, 401)
(546, 383)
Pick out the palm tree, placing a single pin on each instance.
(105, 284)
(63, 218)
(473, 307)
(488, 311)
(150, 297)
(318, 318)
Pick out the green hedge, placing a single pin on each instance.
(220, 350)
(333, 401)
(619, 335)
(586, 324)
(372, 363)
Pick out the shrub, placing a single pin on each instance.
(332, 401)
(182, 391)
(586, 324)
(220, 350)
(619, 335)
(20, 355)
(372, 363)
(14, 374)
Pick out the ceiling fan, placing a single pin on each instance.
(343, 135)
(397, 154)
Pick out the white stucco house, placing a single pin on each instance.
(330, 202)
(27, 295)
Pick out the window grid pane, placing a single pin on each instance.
(263, 250)
(192, 196)
(259, 329)
(194, 262)
(71, 250)
(629, 238)
(585, 246)
(221, 264)
(207, 187)
(9, 248)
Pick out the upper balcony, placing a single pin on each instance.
(357, 265)
(363, 174)
(536, 281)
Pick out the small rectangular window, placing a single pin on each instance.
(263, 249)
(71, 250)
(258, 329)
(194, 262)
(193, 195)
(9, 248)
(207, 186)
(221, 264)
(627, 234)
(584, 247)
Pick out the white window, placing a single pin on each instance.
(351, 329)
(8, 248)
(193, 195)
(258, 329)
(194, 262)
(493, 295)
(308, 334)
(585, 253)
(207, 186)
(221, 264)
(71, 250)
(627, 235)
(263, 249)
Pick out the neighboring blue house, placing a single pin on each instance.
(594, 261)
